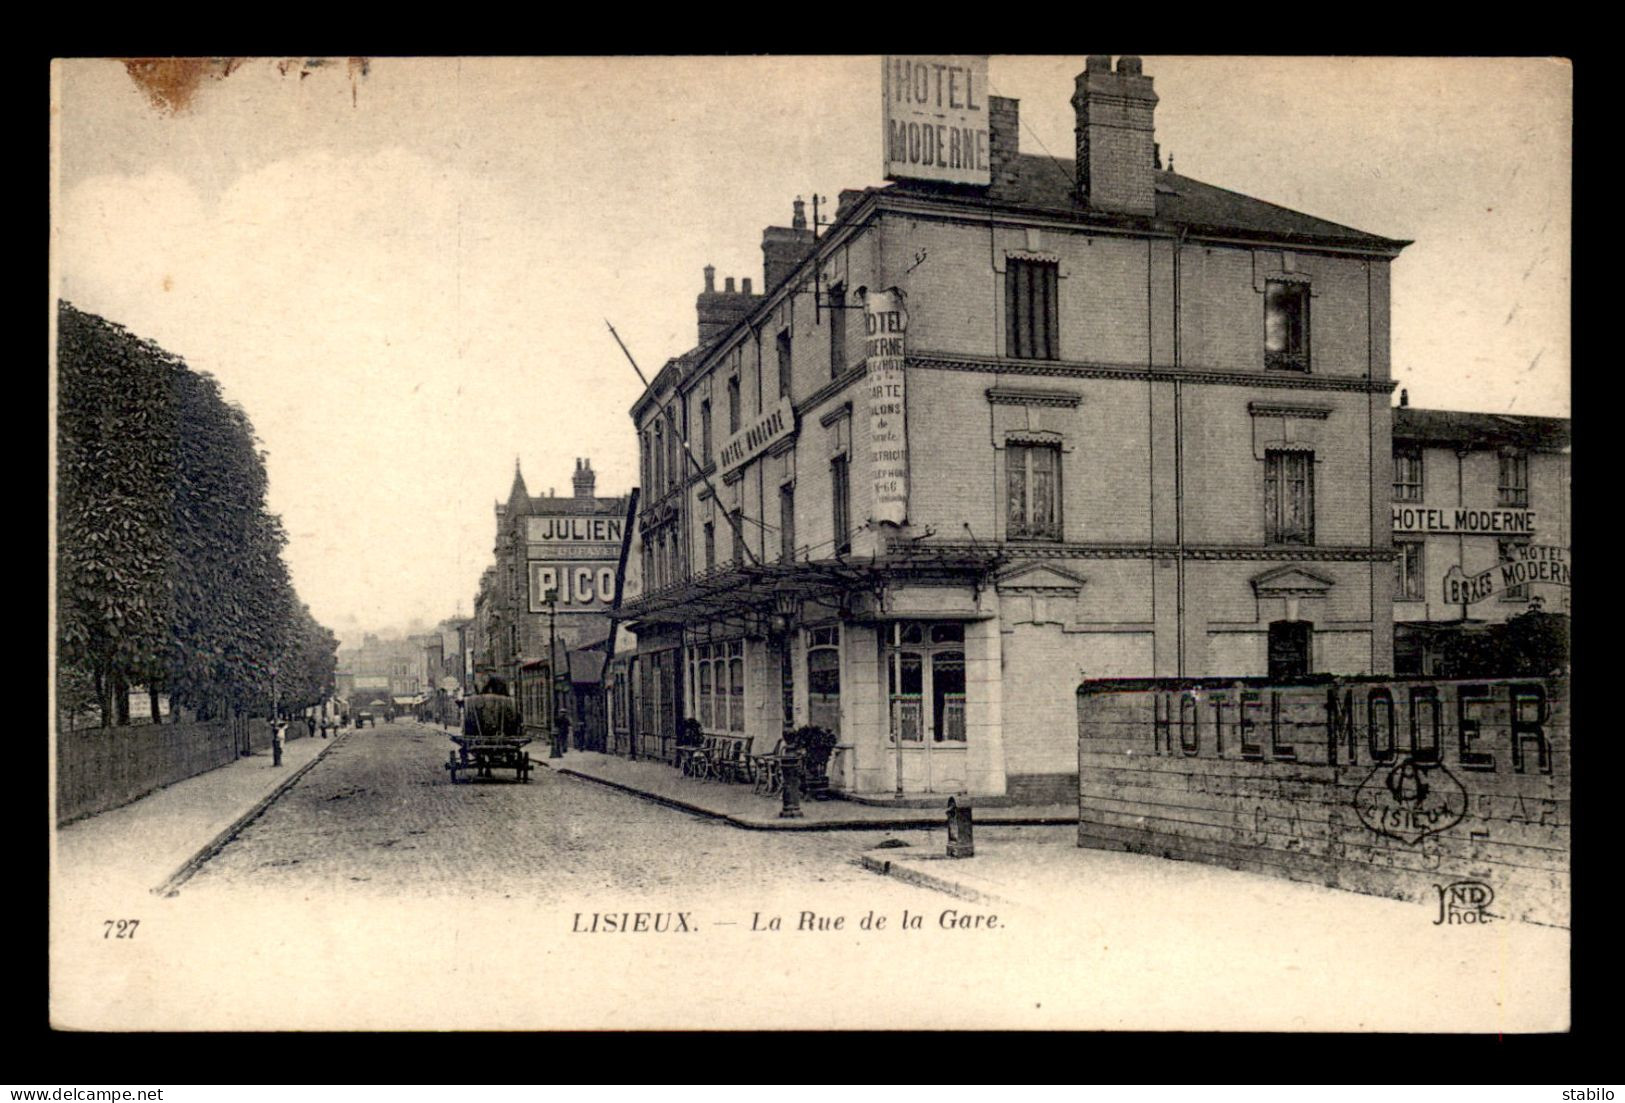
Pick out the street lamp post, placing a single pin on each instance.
(556, 748)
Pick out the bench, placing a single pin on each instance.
(767, 777)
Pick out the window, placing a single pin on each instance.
(737, 525)
(1408, 475)
(783, 343)
(1289, 497)
(674, 467)
(648, 455)
(1408, 563)
(705, 431)
(1034, 482)
(1286, 325)
(660, 454)
(824, 678)
(1505, 553)
(837, 329)
(703, 697)
(1030, 309)
(733, 405)
(736, 686)
(1291, 650)
(787, 524)
(1512, 489)
(840, 495)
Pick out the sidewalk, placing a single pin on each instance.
(147, 842)
(739, 805)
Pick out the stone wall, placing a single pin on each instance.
(1397, 788)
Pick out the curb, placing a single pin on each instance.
(911, 875)
(172, 886)
(915, 823)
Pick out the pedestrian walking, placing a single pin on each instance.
(279, 735)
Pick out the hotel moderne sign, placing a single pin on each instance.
(769, 427)
(935, 116)
(1452, 520)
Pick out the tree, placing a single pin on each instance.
(115, 442)
(170, 569)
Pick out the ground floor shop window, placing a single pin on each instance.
(824, 678)
(717, 675)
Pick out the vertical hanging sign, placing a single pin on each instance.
(885, 324)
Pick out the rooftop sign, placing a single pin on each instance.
(936, 117)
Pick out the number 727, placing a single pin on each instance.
(124, 928)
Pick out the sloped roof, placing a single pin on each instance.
(1049, 184)
(1460, 427)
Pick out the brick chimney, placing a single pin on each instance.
(1116, 148)
(719, 310)
(1004, 146)
(785, 247)
(584, 479)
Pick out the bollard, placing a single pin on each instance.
(790, 765)
(960, 842)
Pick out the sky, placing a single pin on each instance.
(402, 270)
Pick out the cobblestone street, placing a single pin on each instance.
(379, 815)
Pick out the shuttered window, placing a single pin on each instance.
(1031, 311)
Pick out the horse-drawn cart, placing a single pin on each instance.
(478, 755)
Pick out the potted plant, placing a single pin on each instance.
(815, 745)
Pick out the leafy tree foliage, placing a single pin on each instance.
(170, 569)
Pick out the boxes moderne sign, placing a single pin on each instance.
(935, 117)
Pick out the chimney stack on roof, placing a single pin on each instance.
(584, 479)
(1117, 154)
(719, 310)
(1004, 146)
(784, 247)
(1404, 397)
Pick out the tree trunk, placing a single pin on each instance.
(152, 699)
(104, 699)
(121, 700)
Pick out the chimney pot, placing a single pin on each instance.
(728, 285)
(1404, 397)
(745, 286)
(1129, 65)
(799, 222)
(1098, 63)
(710, 279)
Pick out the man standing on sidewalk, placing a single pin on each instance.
(279, 734)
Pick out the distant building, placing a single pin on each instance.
(553, 576)
(1473, 492)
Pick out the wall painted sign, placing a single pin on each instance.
(936, 117)
(1529, 563)
(768, 428)
(885, 327)
(575, 530)
(1455, 519)
(582, 587)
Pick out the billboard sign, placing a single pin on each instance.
(575, 560)
(935, 116)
